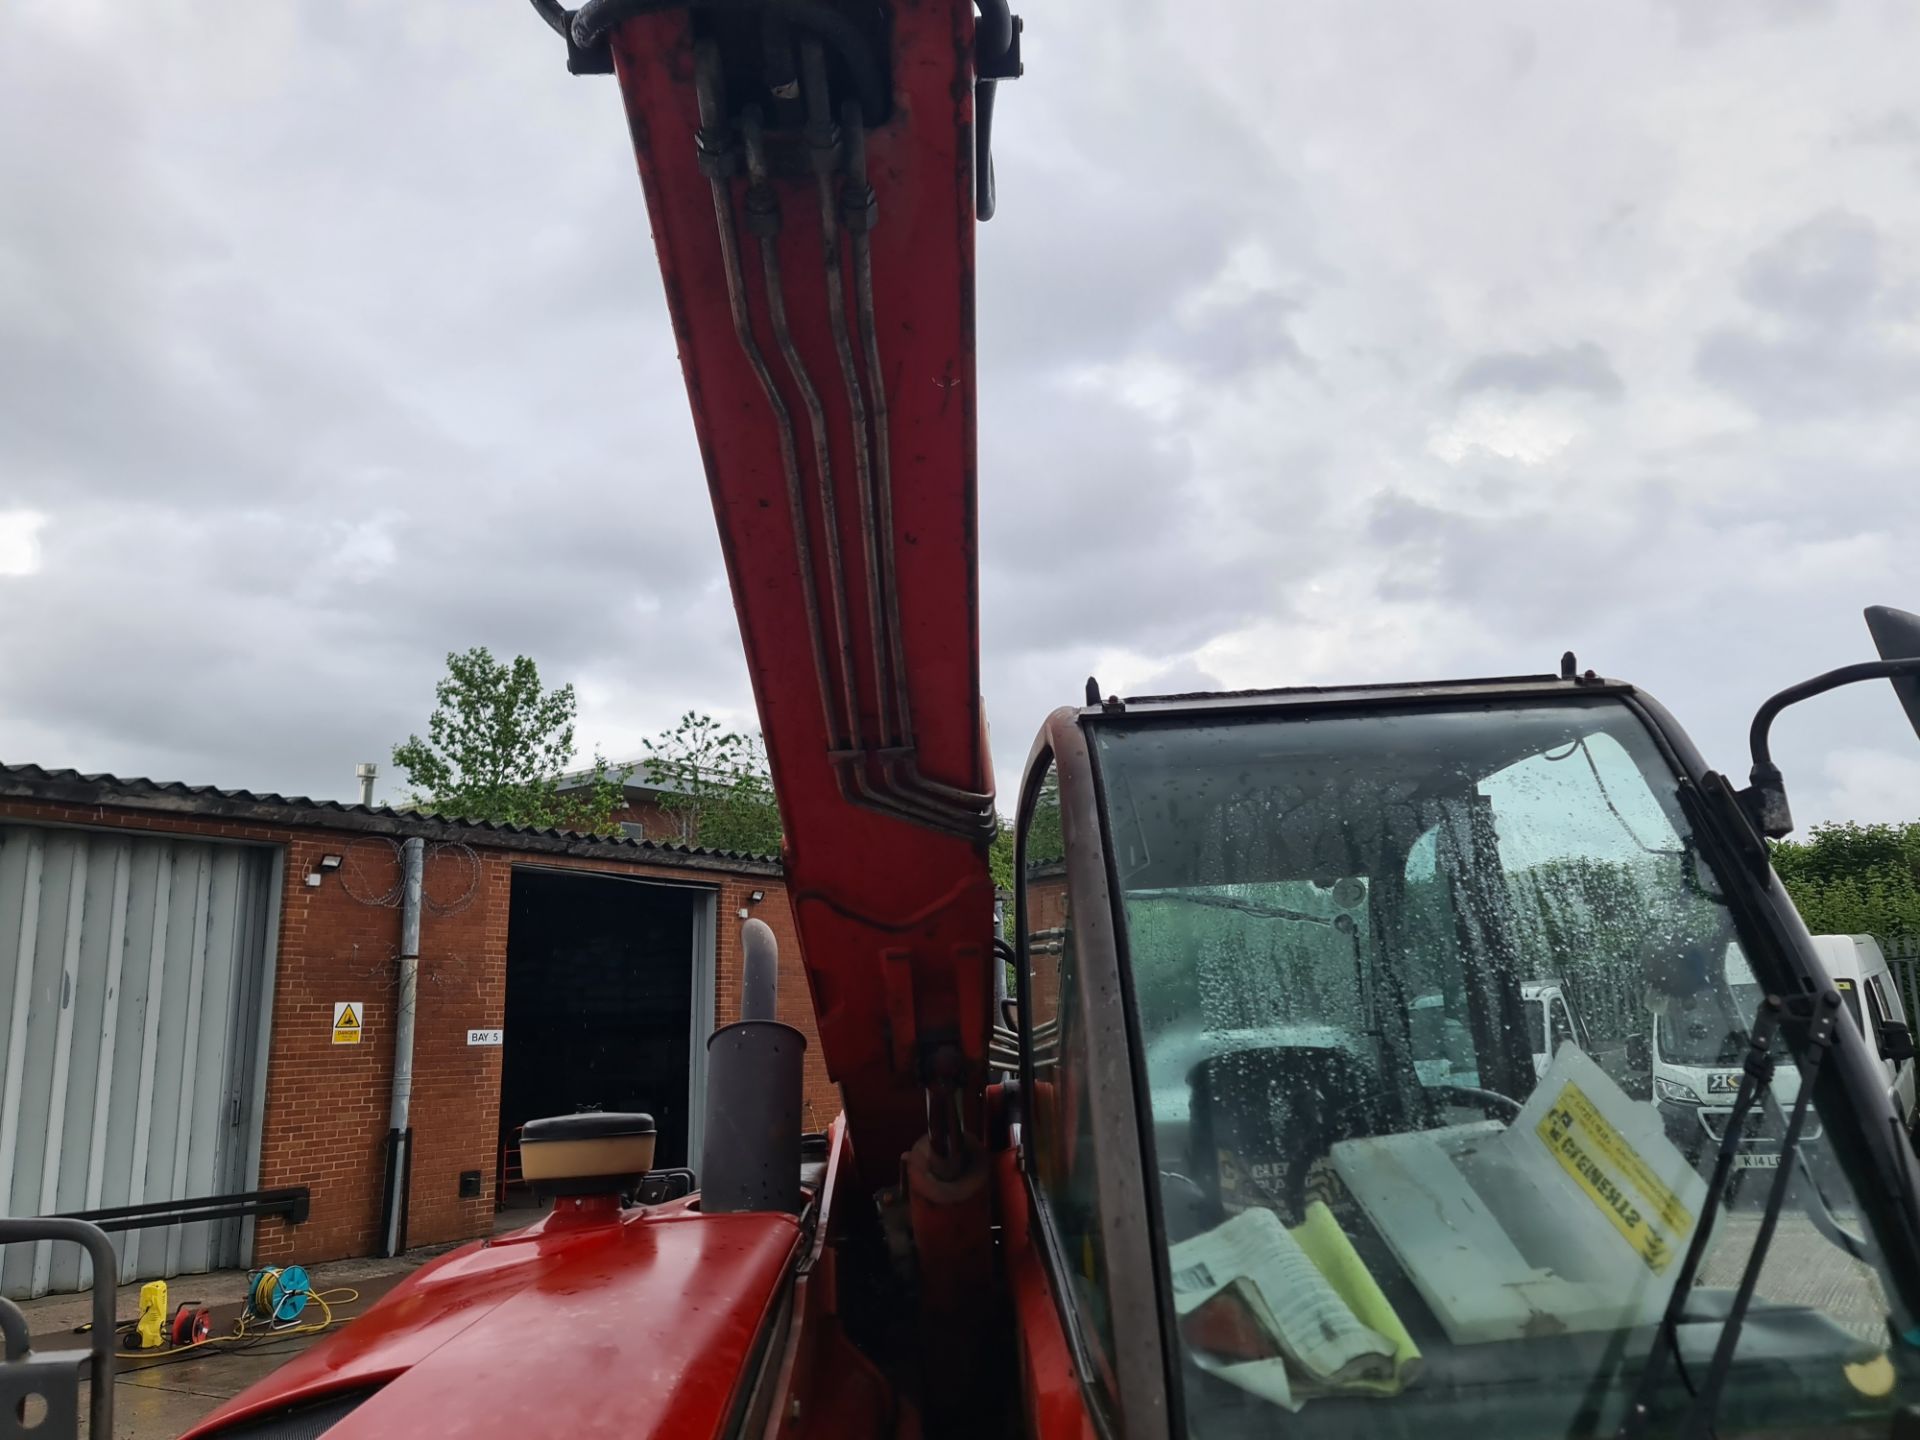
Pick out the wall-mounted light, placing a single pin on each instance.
(757, 896)
(331, 862)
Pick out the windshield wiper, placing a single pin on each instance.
(1820, 1013)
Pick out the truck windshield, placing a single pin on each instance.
(1389, 1210)
(1690, 1033)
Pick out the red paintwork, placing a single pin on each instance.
(894, 918)
(1050, 1397)
(629, 1324)
(839, 1393)
(599, 1321)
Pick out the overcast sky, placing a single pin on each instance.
(1318, 343)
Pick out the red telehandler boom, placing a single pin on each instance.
(1263, 1145)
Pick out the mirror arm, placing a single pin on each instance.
(1765, 798)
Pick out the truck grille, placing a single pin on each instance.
(1760, 1125)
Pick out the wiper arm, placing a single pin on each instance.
(1813, 1198)
(1757, 1074)
(1825, 1008)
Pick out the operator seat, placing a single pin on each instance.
(1262, 1117)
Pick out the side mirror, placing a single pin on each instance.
(1896, 635)
(1896, 1042)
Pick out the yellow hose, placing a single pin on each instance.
(242, 1330)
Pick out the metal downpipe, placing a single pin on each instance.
(406, 1009)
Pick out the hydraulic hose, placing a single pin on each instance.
(593, 20)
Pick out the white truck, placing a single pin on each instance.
(1551, 1022)
(1696, 1065)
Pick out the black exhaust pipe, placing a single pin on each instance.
(750, 1157)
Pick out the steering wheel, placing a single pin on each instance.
(1485, 1100)
(1472, 1096)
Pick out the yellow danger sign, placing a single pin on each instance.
(1650, 1217)
(346, 1022)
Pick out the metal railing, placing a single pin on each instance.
(292, 1204)
(40, 1393)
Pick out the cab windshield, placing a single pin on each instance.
(1395, 1202)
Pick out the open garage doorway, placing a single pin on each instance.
(609, 1005)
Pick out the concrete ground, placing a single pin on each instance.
(1802, 1267)
(158, 1399)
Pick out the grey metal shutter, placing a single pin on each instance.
(132, 989)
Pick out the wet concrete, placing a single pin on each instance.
(158, 1398)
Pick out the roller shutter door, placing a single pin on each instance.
(132, 991)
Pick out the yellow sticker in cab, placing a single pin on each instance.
(1646, 1212)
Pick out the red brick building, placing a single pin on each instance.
(246, 921)
(645, 811)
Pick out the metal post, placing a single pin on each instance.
(364, 772)
(100, 1339)
(405, 1010)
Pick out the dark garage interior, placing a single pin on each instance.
(599, 1002)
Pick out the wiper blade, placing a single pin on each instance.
(1824, 1010)
(1819, 1014)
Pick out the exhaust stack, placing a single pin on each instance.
(750, 1158)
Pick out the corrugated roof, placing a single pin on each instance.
(33, 782)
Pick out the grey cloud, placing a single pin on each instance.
(1543, 574)
(1832, 345)
(1236, 340)
(1396, 519)
(1890, 127)
(1119, 542)
(1161, 178)
(1184, 678)
(1706, 22)
(1824, 274)
(270, 679)
(1583, 368)
(1523, 52)
(1806, 376)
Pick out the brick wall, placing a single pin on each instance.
(327, 1105)
(655, 821)
(1046, 928)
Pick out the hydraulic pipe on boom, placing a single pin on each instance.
(810, 172)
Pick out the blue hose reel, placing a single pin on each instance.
(277, 1296)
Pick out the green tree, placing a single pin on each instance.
(1849, 879)
(497, 743)
(1000, 855)
(1044, 840)
(716, 782)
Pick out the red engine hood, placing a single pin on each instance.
(633, 1324)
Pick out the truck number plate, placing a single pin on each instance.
(1756, 1162)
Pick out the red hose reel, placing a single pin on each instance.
(192, 1323)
